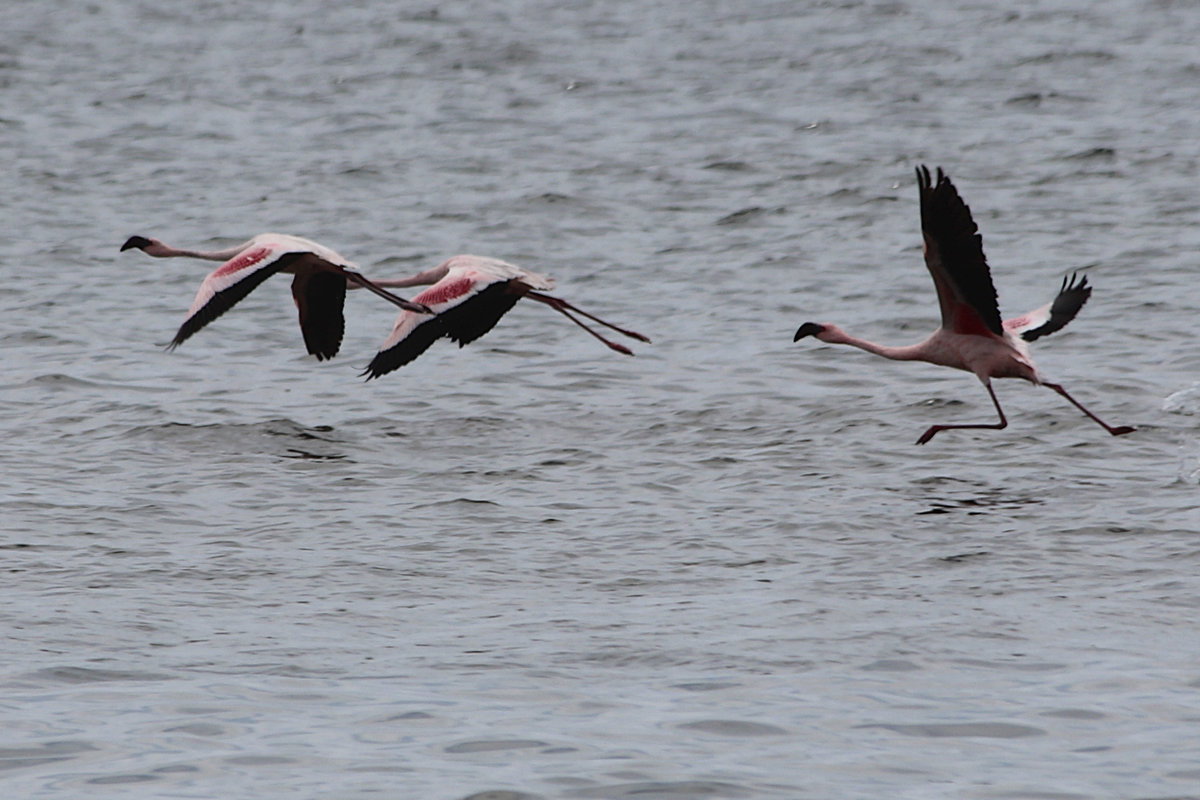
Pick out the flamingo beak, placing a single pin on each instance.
(808, 329)
(135, 241)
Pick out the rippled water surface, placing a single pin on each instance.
(534, 568)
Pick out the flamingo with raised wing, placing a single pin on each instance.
(468, 296)
(972, 336)
(318, 286)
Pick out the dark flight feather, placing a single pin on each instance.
(954, 250)
(226, 299)
(320, 297)
(1066, 305)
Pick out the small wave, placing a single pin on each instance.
(1055, 57)
(664, 790)
(490, 745)
(1185, 401)
(748, 215)
(93, 675)
(730, 166)
(1093, 154)
(468, 501)
(282, 436)
(963, 730)
(733, 727)
(49, 753)
(58, 380)
(549, 198)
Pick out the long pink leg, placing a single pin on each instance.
(1117, 431)
(561, 306)
(1003, 423)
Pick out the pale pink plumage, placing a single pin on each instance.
(318, 288)
(468, 296)
(972, 336)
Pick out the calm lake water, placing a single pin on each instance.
(534, 568)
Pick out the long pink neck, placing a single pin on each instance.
(912, 352)
(420, 279)
(160, 250)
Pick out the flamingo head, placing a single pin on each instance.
(140, 242)
(809, 329)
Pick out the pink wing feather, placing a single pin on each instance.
(1054, 315)
(457, 287)
(229, 283)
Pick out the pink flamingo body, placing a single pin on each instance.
(318, 286)
(467, 296)
(972, 336)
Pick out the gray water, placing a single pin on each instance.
(534, 568)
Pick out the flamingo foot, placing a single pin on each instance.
(929, 434)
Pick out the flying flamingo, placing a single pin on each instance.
(319, 285)
(468, 297)
(971, 337)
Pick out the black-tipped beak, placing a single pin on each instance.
(135, 241)
(808, 329)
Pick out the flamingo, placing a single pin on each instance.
(972, 336)
(319, 285)
(468, 296)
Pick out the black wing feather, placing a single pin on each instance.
(468, 321)
(1070, 299)
(946, 221)
(226, 299)
(418, 341)
(320, 297)
(463, 323)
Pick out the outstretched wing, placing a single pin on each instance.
(467, 322)
(1054, 315)
(414, 332)
(229, 283)
(320, 297)
(468, 301)
(498, 287)
(954, 256)
(412, 336)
